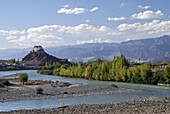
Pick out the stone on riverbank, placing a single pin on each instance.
(138, 107)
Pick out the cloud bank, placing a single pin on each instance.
(57, 34)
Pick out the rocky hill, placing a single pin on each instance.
(38, 57)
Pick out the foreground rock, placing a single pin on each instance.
(140, 107)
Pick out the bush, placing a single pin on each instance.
(10, 67)
(65, 92)
(38, 90)
(114, 85)
(23, 78)
(45, 72)
(4, 82)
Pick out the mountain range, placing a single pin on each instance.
(152, 49)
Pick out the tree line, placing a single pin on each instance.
(119, 69)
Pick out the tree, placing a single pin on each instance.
(57, 64)
(46, 65)
(88, 72)
(53, 64)
(129, 74)
(43, 68)
(123, 73)
(23, 78)
(145, 71)
(79, 65)
(11, 61)
(167, 73)
(50, 66)
(17, 62)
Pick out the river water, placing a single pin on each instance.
(151, 92)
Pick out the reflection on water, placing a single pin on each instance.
(151, 92)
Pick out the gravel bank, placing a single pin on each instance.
(140, 107)
(57, 90)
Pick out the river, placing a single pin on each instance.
(151, 92)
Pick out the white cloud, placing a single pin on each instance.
(123, 27)
(3, 48)
(103, 28)
(10, 37)
(72, 11)
(96, 40)
(147, 15)
(12, 32)
(94, 9)
(116, 18)
(87, 20)
(154, 27)
(65, 10)
(57, 34)
(66, 6)
(128, 39)
(143, 7)
(123, 4)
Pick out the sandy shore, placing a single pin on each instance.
(140, 107)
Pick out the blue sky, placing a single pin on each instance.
(25, 23)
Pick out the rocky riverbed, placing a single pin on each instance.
(138, 107)
(55, 90)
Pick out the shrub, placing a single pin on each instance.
(38, 90)
(114, 85)
(10, 67)
(4, 82)
(23, 78)
(45, 72)
(65, 92)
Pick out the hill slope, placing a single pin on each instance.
(153, 49)
(38, 57)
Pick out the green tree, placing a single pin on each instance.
(11, 61)
(46, 65)
(23, 78)
(79, 65)
(167, 73)
(53, 64)
(50, 66)
(129, 74)
(123, 73)
(17, 62)
(145, 71)
(88, 72)
(43, 68)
